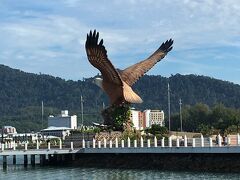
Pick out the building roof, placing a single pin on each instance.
(52, 128)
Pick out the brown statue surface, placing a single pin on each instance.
(117, 83)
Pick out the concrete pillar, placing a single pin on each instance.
(14, 145)
(60, 144)
(4, 162)
(170, 141)
(210, 142)
(219, 140)
(25, 160)
(49, 146)
(33, 160)
(37, 146)
(122, 143)
(193, 142)
(104, 143)
(25, 146)
(141, 142)
(202, 141)
(88, 144)
(128, 143)
(42, 159)
(155, 141)
(163, 142)
(71, 143)
(177, 143)
(148, 143)
(110, 144)
(83, 144)
(14, 159)
(94, 143)
(185, 141)
(99, 144)
(116, 142)
(135, 143)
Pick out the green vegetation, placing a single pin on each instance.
(201, 118)
(157, 131)
(21, 95)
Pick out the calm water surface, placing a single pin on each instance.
(19, 172)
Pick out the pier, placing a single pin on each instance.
(151, 152)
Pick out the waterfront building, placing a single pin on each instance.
(8, 130)
(60, 132)
(63, 120)
(147, 118)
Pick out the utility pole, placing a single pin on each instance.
(42, 114)
(180, 112)
(82, 109)
(82, 115)
(169, 111)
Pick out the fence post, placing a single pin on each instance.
(83, 143)
(72, 145)
(141, 141)
(116, 142)
(14, 145)
(60, 144)
(170, 141)
(49, 146)
(210, 142)
(135, 143)
(104, 143)
(193, 142)
(155, 141)
(37, 145)
(177, 142)
(228, 141)
(122, 143)
(99, 144)
(25, 146)
(129, 143)
(94, 143)
(185, 141)
(202, 141)
(2, 147)
(219, 140)
(163, 141)
(148, 143)
(238, 139)
(110, 143)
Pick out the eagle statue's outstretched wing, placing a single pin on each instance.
(97, 56)
(131, 74)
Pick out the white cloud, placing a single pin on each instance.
(50, 34)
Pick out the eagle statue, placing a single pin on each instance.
(117, 83)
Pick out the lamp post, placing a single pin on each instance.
(180, 112)
(82, 114)
(169, 111)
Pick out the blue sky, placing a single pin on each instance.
(48, 36)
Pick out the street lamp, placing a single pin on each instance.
(180, 112)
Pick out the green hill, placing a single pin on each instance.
(21, 94)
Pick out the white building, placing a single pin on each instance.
(60, 132)
(156, 117)
(63, 120)
(146, 118)
(134, 116)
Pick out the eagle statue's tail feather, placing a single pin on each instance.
(129, 95)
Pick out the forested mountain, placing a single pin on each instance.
(21, 94)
